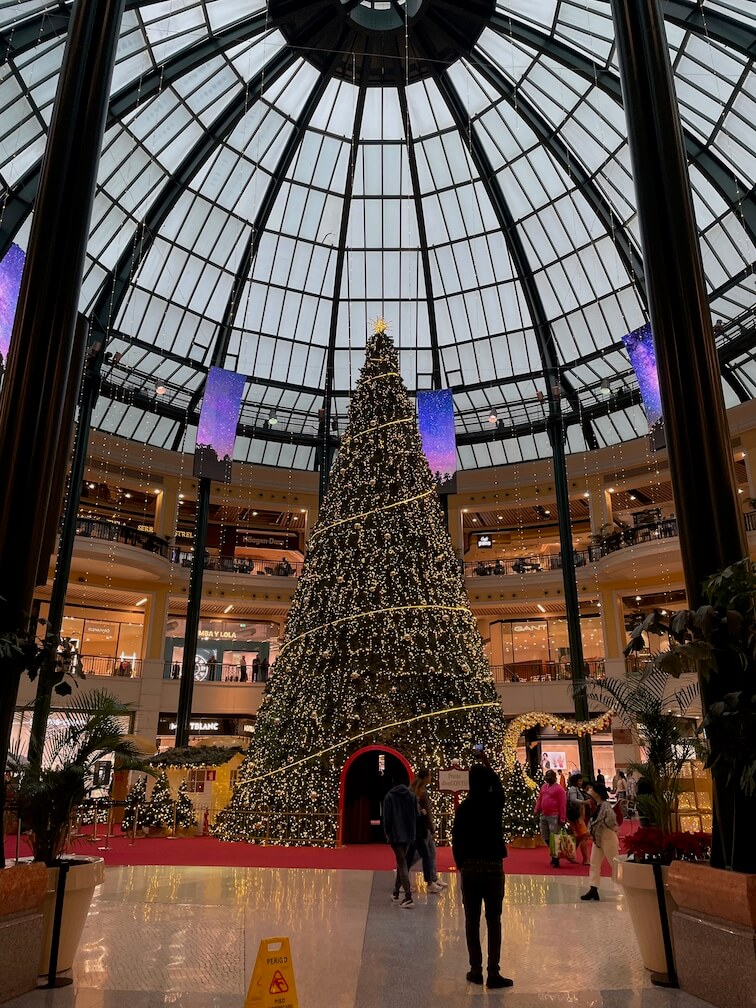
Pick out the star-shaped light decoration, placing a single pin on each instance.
(380, 325)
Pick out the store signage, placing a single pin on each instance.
(145, 528)
(485, 542)
(218, 634)
(454, 779)
(198, 726)
(255, 539)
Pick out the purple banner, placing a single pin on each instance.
(640, 348)
(11, 269)
(435, 420)
(219, 416)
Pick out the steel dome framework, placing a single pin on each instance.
(276, 175)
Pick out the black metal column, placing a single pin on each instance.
(710, 523)
(34, 421)
(569, 578)
(193, 606)
(48, 677)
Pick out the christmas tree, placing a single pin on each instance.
(185, 816)
(380, 646)
(135, 802)
(519, 801)
(161, 810)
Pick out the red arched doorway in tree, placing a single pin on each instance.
(368, 775)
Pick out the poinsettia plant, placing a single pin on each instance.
(650, 844)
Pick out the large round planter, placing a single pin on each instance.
(639, 887)
(83, 876)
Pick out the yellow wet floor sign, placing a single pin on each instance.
(272, 984)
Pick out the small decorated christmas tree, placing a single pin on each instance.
(161, 810)
(185, 815)
(136, 799)
(519, 800)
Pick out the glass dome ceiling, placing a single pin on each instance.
(277, 175)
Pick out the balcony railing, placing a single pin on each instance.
(239, 565)
(99, 665)
(221, 673)
(544, 671)
(92, 528)
(600, 547)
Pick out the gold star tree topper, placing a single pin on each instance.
(380, 326)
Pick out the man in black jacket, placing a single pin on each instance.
(400, 814)
(478, 848)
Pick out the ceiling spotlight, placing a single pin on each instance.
(632, 497)
(493, 418)
(540, 608)
(142, 601)
(228, 609)
(272, 420)
(127, 495)
(606, 387)
(161, 390)
(638, 598)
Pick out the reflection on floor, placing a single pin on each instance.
(189, 936)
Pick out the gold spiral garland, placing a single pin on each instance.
(368, 733)
(536, 719)
(367, 613)
(366, 514)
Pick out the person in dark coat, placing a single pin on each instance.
(399, 824)
(478, 848)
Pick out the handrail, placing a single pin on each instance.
(92, 528)
(544, 671)
(601, 546)
(102, 665)
(228, 673)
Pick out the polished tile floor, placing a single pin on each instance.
(190, 936)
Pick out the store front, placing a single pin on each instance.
(227, 650)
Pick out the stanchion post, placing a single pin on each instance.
(670, 978)
(175, 820)
(53, 980)
(108, 829)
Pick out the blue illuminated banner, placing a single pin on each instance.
(219, 416)
(640, 349)
(11, 268)
(435, 419)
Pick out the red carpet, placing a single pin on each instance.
(211, 852)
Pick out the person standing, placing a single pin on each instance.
(423, 835)
(577, 815)
(600, 779)
(551, 808)
(399, 825)
(425, 807)
(256, 667)
(604, 833)
(212, 664)
(243, 668)
(478, 849)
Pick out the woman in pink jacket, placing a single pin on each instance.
(551, 808)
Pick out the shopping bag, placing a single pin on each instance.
(566, 846)
(554, 845)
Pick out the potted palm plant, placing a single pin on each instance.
(52, 786)
(716, 920)
(654, 711)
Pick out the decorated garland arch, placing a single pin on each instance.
(534, 719)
